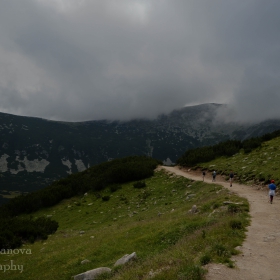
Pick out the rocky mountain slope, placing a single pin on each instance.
(34, 152)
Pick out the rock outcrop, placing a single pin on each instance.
(94, 273)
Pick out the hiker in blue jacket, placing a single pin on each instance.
(214, 176)
(272, 188)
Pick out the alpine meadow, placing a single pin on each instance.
(173, 225)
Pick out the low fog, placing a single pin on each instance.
(84, 60)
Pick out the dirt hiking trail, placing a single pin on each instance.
(260, 257)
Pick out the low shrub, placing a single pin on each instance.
(124, 199)
(203, 234)
(233, 208)
(114, 188)
(205, 259)
(221, 250)
(15, 231)
(235, 224)
(105, 197)
(139, 185)
(216, 205)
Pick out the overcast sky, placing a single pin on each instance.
(77, 60)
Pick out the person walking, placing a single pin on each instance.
(214, 176)
(272, 188)
(231, 174)
(203, 175)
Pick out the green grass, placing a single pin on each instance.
(261, 165)
(173, 245)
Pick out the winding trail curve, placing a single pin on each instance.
(260, 257)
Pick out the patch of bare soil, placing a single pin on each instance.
(260, 252)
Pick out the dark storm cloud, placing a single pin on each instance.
(84, 60)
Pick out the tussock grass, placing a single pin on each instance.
(153, 221)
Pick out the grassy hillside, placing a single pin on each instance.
(173, 245)
(154, 221)
(261, 165)
(14, 230)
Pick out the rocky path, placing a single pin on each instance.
(260, 257)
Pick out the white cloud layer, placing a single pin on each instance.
(77, 60)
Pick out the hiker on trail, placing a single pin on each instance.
(214, 176)
(203, 175)
(272, 188)
(231, 174)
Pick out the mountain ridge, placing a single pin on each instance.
(34, 152)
